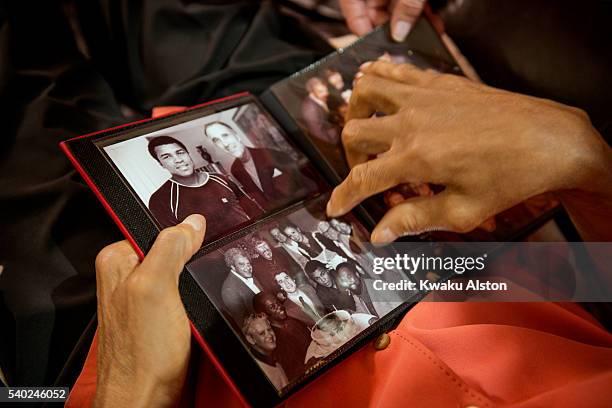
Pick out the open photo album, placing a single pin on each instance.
(278, 293)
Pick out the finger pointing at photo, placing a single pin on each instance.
(490, 149)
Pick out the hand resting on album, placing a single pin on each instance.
(144, 337)
(491, 149)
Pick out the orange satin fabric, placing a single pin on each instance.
(449, 355)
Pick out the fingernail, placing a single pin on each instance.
(196, 221)
(401, 30)
(365, 65)
(384, 236)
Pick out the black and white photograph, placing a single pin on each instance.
(297, 288)
(317, 99)
(232, 166)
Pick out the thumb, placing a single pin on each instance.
(174, 246)
(403, 16)
(412, 217)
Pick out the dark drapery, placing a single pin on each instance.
(128, 57)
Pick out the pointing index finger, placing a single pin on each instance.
(365, 137)
(363, 181)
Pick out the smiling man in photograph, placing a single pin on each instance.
(261, 337)
(304, 296)
(190, 192)
(268, 175)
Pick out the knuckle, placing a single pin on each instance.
(409, 221)
(138, 286)
(379, 65)
(441, 79)
(462, 219)
(401, 71)
(373, 176)
(363, 86)
(107, 255)
(350, 131)
(177, 238)
(361, 178)
(580, 114)
(172, 237)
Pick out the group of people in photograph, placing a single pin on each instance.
(298, 295)
(325, 99)
(325, 104)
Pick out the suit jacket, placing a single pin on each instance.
(281, 180)
(238, 297)
(319, 309)
(313, 249)
(334, 299)
(332, 246)
(296, 312)
(319, 122)
(292, 341)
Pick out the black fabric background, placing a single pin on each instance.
(132, 56)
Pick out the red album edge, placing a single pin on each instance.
(90, 183)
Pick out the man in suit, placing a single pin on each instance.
(361, 289)
(310, 247)
(240, 286)
(316, 113)
(268, 175)
(271, 261)
(327, 291)
(306, 245)
(330, 238)
(289, 246)
(339, 96)
(304, 296)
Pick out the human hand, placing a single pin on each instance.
(489, 148)
(144, 337)
(363, 15)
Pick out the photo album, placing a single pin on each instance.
(278, 293)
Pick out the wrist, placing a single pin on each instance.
(587, 194)
(586, 159)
